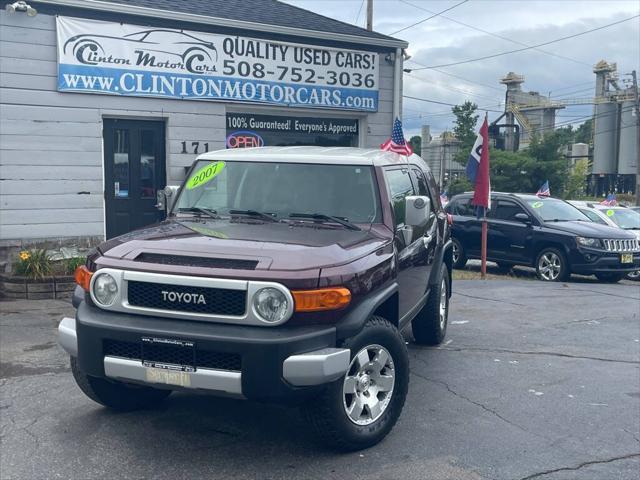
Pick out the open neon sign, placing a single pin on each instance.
(244, 139)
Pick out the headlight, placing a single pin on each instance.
(105, 289)
(589, 242)
(270, 304)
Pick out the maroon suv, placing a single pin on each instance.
(280, 274)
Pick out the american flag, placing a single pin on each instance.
(544, 190)
(397, 142)
(610, 201)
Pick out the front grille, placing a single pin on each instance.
(626, 245)
(188, 261)
(175, 355)
(180, 298)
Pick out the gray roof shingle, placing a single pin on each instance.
(269, 12)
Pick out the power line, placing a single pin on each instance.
(455, 76)
(447, 104)
(429, 18)
(572, 86)
(359, 11)
(528, 48)
(419, 7)
(447, 87)
(564, 97)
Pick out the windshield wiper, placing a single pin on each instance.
(206, 211)
(329, 218)
(254, 213)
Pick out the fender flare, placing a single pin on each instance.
(441, 255)
(354, 321)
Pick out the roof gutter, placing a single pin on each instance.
(223, 22)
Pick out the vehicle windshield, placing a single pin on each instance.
(280, 189)
(554, 210)
(623, 217)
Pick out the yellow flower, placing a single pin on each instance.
(24, 255)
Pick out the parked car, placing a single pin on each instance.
(282, 274)
(546, 233)
(615, 216)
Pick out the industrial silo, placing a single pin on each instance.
(628, 152)
(605, 141)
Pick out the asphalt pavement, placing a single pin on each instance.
(534, 380)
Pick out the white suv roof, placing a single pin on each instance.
(309, 154)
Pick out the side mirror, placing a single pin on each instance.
(166, 197)
(522, 217)
(417, 210)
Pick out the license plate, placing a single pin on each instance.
(168, 377)
(626, 258)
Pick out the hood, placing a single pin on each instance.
(588, 229)
(274, 246)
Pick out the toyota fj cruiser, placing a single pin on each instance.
(281, 274)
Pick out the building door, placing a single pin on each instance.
(134, 169)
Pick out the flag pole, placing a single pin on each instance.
(483, 244)
(483, 265)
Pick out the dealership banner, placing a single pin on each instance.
(245, 130)
(122, 59)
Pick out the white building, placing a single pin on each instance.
(103, 103)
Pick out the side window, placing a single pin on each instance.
(421, 182)
(400, 187)
(507, 210)
(464, 208)
(593, 216)
(423, 188)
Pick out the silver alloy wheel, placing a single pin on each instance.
(455, 253)
(368, 385)
(443, 304)
(549, 266)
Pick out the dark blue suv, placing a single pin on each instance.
(546, 233)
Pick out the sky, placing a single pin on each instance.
(443, 40)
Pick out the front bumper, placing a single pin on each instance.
(591, 261)
(277, 364)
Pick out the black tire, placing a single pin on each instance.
(459, 257)
(561, 268)
(429, 326)
(610, 277)
(117, 395)
(327, 413)
(504, 266)
(635, 275)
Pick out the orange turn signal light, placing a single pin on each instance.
(321, 299)
(83, 277)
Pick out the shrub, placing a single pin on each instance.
(33, 264)
(70, 264)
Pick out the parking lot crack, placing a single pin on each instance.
(581, 465)
(467, 399)
(604, 293)
(489, 299)
(544, 353)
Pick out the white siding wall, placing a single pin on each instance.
(51, 173)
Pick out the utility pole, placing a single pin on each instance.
(637, 101)
(443, 148)
(370, 15)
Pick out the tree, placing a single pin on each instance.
(416, 144)
(549, 162)
(583, 132)
(576, 183)
(459, 185)
(511, 171)
(465, 124)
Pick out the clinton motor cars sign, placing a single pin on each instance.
(121, 59)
